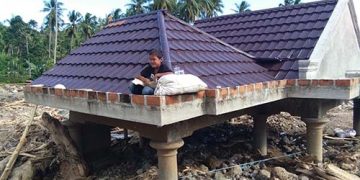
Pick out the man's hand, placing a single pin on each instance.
(144, 80)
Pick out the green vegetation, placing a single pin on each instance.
(27, 49)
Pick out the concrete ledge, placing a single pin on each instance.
(165, 110)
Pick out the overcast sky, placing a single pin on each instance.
(31, 9)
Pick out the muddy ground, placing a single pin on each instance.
(223, 151)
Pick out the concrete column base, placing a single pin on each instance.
(167, 158)
(356, 116)
(314, 137)
(260, 134)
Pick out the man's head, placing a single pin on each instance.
(155, 58)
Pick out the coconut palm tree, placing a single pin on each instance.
(54, 11)
(136, 7)
(211, 8)
(242, 7)
(169, 5)
(88, 25)
(189, 10)
(75, 19)
(290, 2)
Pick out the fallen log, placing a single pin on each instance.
(72, 161)
(341, 174)
(15, 154)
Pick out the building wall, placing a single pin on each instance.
(338, 49)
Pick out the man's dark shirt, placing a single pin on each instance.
(149, 70)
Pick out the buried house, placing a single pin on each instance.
(97, 75)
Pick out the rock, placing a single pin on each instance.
(302, 177)
(282, 174)
(286, 140)
(214, 162)
(139, 171)
(233, 172)
(346, 166)
(219, 176)
(204, 168)
(263, 175)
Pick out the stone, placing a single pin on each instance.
(235, 171)
(219, 176)
(346, 166)
(263, 175)
(204, 168)
(303, 177)
(214, 162)
(282, 174)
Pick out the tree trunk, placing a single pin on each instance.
(56, 32)
(27, 55)
(50, 34)
(71, 42)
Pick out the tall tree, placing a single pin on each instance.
(136, 7)
(169, 5)
(242, 7)
(211, 8)
(71, 31)
(290, 2)
(55, 11)
(189, 10)
(88, 25)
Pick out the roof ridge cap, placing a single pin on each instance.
(164, 44)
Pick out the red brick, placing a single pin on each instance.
(51, 90)
(113, 97)
(304, 82)
(290, 82)
(37, 90)
(282, 83)
(125, 98)
(67, 92)
(242, 90)
(224, 92)
(343, 83)
(45, 90)
(274, 84)
(258, 86)
(59, 92)
(250, 88)
(187, 97)
(101, 96)
(137, 99)
(234, 92)
(200, 95)
(92, 95)
(210, 92)
(83, 94)
(73, 93)
(326, 82)
(314, 82)
(171, 100)
(266, 85)
(153, 100)
(27, 88)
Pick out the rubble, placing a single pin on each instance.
(222, 151)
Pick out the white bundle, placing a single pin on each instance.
(179, 84)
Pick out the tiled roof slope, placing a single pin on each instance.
(110, 59)
(283, 33)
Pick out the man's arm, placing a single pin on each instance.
(159, 75)
(145, 80)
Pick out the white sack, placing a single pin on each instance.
(179, 84)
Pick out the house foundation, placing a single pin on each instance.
(260, 134)
(356, 116)
(167, 158)
(314, 137)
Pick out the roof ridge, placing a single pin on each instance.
(210, 36)
(164, 45)
(266, 10)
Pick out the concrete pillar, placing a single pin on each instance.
(314, 137)
(167, 158)
(356, 116)
(260, 134)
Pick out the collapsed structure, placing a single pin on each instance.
(97, 75)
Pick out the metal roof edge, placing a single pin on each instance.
(354, 20)
(164, 45)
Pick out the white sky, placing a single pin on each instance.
(31, 9)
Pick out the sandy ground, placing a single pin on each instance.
(211, 153)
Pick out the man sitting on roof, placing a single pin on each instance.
(151, 74)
